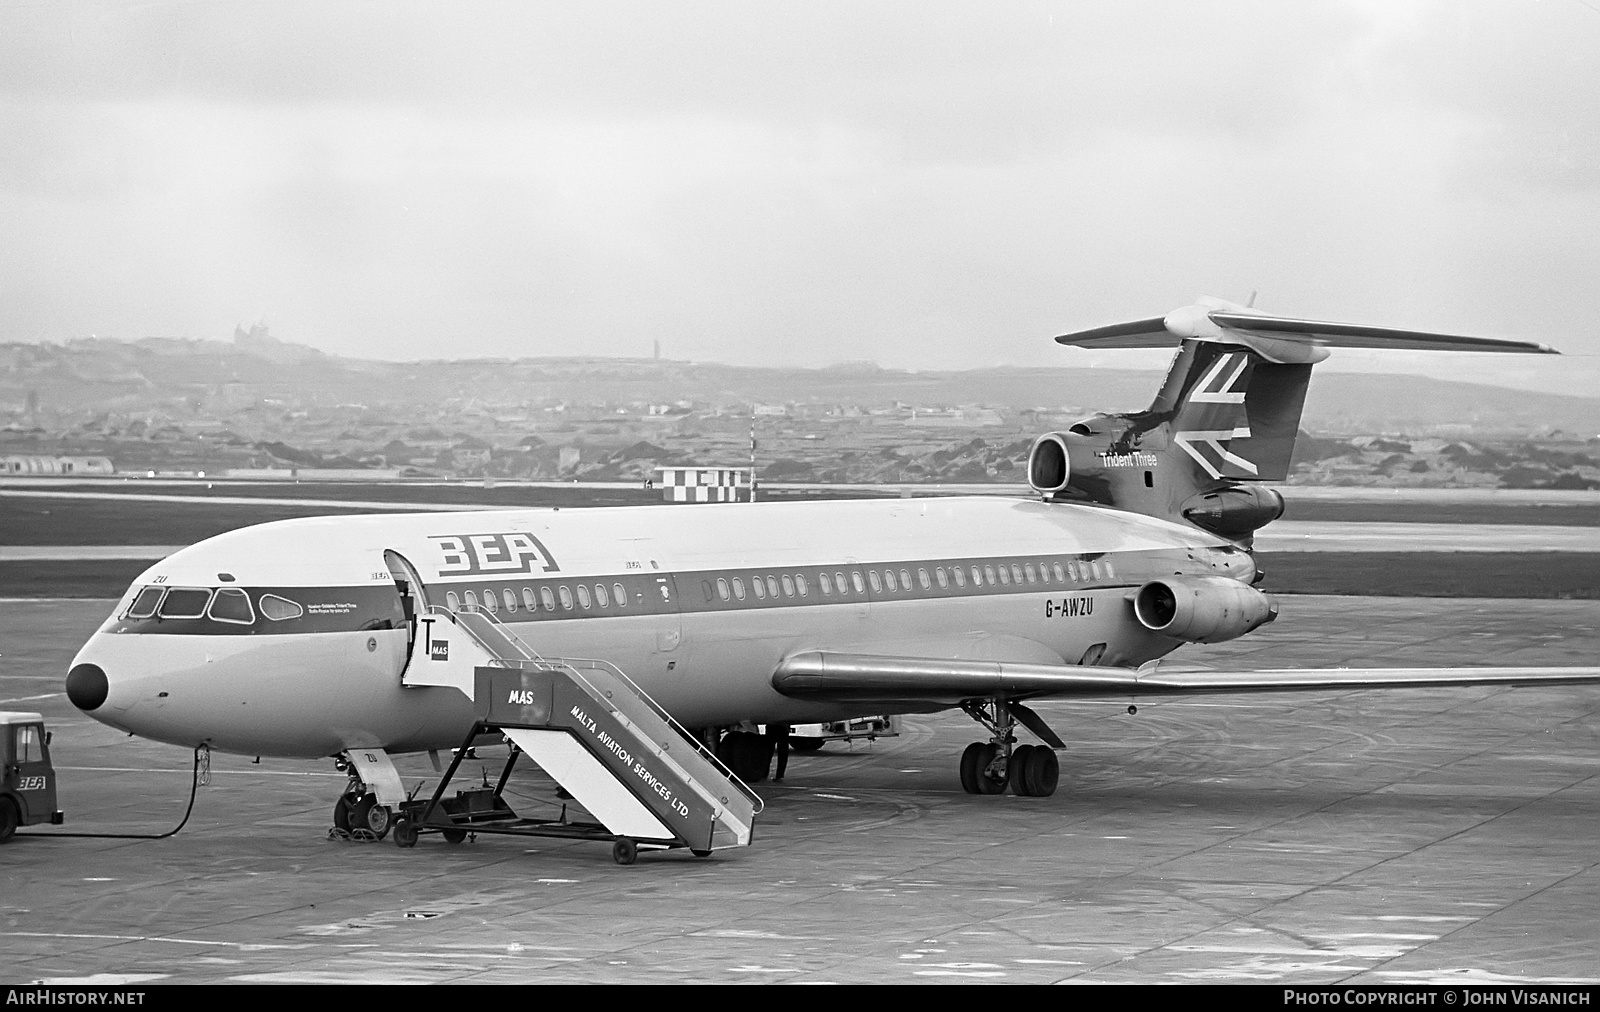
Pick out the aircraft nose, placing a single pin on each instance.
(87, 687)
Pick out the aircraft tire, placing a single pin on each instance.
(341, 812)
(1017, 771)
(807, 744)
(988, 784)
(969, 767)
(624, 851)
(9, 817)
(405, 834)
(1043, 772)
(368, 814)
(454, 836)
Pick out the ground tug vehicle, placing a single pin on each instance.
(27, 780)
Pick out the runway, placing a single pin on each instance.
(1445, 835)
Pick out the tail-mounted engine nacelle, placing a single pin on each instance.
(1235, 511)
(1202, 609)
(1049, 464)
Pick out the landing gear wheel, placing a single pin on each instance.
(624, 851)
(970, 767)
(1043, 772)
(748, 755)
(988, 783)
(371, 816)
(700, 853)
(1016, 770)
(807, 744)
(452, 836)
(405, 834)
(8, 819)
(341, 811)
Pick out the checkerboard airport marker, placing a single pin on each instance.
(704, 484)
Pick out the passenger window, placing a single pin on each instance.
(905, 579)
(1005, 577)
(1072, 570)
(566, 597)
(1094, 567)
(184, 603)
(1060, 576)
(1028, 569)
(738, 588)
(1109, 574)
(988, 571)
(1016, 573)
(722, 588)
(788, 586)
(960, 575)
(888, 579)
(471, 596)
(600, 596)
(977, 576)
(583, 595)
(772, 586)
(944, 581)
(827, 584)
(490, 603)
(510, 599)
(755, 585)
(547, 598)
(620, 594)
(877, 584)
(279, 609)
(528, 600)
(855, 581)
(144, 605)
(232, 605)
(922, 578)
(451, 601)
(800, 583)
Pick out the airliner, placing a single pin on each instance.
(293, 638)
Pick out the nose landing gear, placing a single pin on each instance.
(362, 811)
(358, 816)
(989, 767)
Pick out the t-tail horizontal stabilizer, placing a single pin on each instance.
(1281, 339)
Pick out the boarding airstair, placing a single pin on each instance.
(646, 781)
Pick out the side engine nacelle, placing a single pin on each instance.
(1235, 511)
(1202, 609)
(1049, 463)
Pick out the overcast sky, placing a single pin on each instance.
(927, 184)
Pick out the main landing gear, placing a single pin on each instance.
(989, 767)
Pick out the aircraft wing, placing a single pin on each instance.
(1276, 336)
(918, 681)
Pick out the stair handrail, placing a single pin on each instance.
(493, 620)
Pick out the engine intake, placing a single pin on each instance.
(1049, 465)
(1233, 512)
(1202, 609)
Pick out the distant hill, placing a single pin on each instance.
(134, 376)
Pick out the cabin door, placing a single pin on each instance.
(413, 597)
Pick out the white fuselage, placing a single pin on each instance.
(304, 639)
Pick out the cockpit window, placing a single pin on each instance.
(279, 608)
(144, 605)
(232, 605)
(182, 602)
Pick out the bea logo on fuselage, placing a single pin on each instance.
(493, 554)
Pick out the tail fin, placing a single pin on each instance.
(1228, 412)
(1233, 413)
